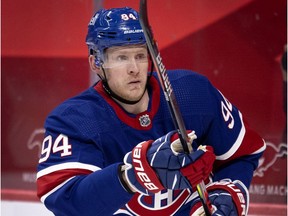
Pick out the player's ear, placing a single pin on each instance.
(92, 64)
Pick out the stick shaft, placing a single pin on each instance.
(170, 97)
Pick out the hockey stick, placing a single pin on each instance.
(170, 97)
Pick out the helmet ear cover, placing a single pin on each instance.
(96, 53)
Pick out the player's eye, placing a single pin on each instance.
(141, 57)
(122, 58)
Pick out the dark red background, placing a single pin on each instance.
(236, 44)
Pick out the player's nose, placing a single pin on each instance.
(133, 66)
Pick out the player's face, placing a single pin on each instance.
(126, 70)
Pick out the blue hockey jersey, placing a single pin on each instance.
(88, 135)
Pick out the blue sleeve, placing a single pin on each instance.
(237, 147)
(239, 169)
(89, 194)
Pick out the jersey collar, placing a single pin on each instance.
(141, 121)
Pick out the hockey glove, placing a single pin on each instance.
(153, 166)
(227, 198)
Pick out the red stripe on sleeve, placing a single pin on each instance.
(47, 182)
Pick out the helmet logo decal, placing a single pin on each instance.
(93, 19)
(131, 31)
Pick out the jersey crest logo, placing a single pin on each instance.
(145, 120)
(162, 203)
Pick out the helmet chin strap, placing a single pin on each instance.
(114, 95)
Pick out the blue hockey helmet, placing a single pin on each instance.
(113, 27)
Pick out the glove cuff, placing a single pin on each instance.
(238, 192)
(139, 175)
(144, 173)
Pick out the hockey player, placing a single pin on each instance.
(113, 148)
